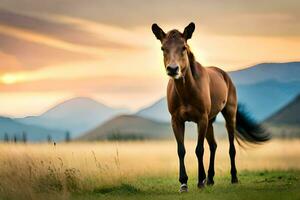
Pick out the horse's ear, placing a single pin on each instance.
(158, 32)
(188, 31)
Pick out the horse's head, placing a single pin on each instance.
(175, 49)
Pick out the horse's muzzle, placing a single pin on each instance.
(172, 71)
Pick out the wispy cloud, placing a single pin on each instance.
(103, 31)
(49, 41)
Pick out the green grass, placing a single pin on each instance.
(253, 185)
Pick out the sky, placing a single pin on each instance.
(53, 50)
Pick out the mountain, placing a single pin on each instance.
(76, 115)
(264, 98)
(263, 89)
(286, 121)
(130, 126)
(33, 133)
(281, 72)
(157, 111)
(288, 115)
(135, 127)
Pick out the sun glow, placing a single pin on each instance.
(9, 79)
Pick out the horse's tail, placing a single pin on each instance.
(248, 130)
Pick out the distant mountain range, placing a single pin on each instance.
(288, 115)
(280, 72)
(265, 98)
(134, 127)
(263, 88)
(12, 128)
(158, 111)
(130, 126)
(77, 115)
(286, 121)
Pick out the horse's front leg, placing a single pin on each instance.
(202, 128)
(178, 129)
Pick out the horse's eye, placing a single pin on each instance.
(183, 49)
(162, 48)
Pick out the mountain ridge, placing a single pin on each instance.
(77, 115)
(288, 114)
(33, 133)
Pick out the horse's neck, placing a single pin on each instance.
(184, 86)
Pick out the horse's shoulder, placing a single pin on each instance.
(218, 71)
(215, 69)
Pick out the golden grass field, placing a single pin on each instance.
(30, 170)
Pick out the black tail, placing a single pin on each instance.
(248, 130)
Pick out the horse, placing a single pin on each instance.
(197, 93)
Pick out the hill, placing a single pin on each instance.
(134, 127)
(286, 121)
(289, 114)
(281, 72)
(76, 115)
(33, 133)
(157, 111)
(264, 98)
(129, 126)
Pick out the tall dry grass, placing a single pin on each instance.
(28, 171)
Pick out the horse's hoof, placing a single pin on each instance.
(234, 180)
(201, 184)
(210, 182)
(183, 188)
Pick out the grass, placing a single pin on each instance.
(144, 170)
(254, 185)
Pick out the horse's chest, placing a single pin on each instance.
(188, 113)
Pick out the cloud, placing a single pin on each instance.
(68, 32)
(109, 33)
(212, 16)
(9, 63)
(49, 41)
(33, 55)
(105, 84)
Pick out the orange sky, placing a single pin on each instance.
(49, 55)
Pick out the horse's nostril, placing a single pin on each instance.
(172, 70)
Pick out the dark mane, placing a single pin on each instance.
(192, 62)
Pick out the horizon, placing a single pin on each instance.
(50, 54)
(130, 110)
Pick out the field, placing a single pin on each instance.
(144, 170)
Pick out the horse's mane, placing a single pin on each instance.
(192, 61)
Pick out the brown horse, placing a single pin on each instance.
(198, 94)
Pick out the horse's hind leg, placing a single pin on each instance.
(212, 146)
(229, 113)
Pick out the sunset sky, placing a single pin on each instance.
(52, 50)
